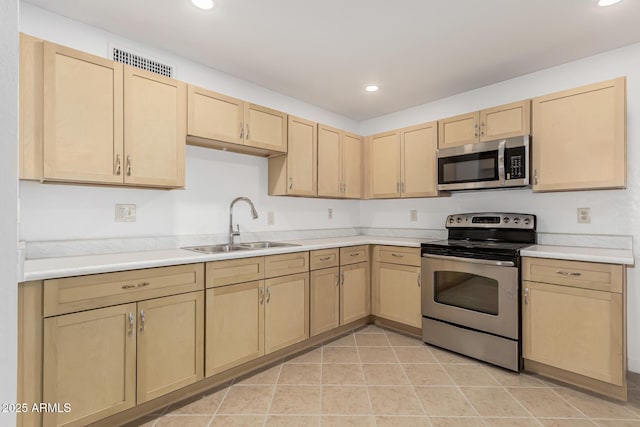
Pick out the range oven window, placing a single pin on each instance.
(466, 290)
(468, 168)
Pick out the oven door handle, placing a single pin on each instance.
(471, 260)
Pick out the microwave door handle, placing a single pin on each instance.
(501, 147)
(471, 260)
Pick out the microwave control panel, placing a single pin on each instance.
(515, 163)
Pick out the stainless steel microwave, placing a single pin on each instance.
(492, 164)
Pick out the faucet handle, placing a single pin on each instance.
(235, 232)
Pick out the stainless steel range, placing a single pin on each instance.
(471, 286)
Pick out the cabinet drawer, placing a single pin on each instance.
(588, 275)
(398, 255)
(73, 294)
(354, 254)
(221, 273)
(324, 258)
(281, 265)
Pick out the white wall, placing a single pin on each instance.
(612, 211)
(214, 178)
(8, 211)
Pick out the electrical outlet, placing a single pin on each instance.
(330, 213)
(413, 215)
(270, 218)
(584, 215)
(125, 213)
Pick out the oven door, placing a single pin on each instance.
(475, 293)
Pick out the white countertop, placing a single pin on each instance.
(575, 253)
(51, 268)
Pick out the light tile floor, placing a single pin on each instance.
(375, 377)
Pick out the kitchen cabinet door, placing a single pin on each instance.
(397, 293)
(286, 311)
(325, 300)
(574, 329)
(330, 161)
(295, 174)
(355, 295)
(90, 363)
(385, 165)
(418, 151)
(579, 138)
(351, 166)
(154, 129)
(215, 116)
(265, 128)
(82, 137)
(505, 121)
(170, 344)
(234, 325)
(458, 130)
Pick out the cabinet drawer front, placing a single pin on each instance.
(282, 265)
(354, 254)
(398, 255)
(221, 273)
(101, 290)
(324, 258)
(588, 275)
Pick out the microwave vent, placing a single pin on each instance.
(138, 61)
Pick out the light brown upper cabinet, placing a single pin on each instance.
(339, 163)
(91, 120)
(493, 123)
(219, 121)
(294, 174)
(402, 163)
(579, 138)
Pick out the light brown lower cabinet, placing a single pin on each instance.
(355, 294)
(248, 320)
(325, 300)
(573, 326)
(396, 285)
(90, 357)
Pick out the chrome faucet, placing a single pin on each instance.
(254, 214)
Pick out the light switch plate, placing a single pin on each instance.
(584, 215)
(125, 213)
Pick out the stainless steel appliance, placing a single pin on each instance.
(493, 164)
(471, 286)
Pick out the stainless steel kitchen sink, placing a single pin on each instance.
(215, 249)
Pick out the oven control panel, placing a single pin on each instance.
(492, 220)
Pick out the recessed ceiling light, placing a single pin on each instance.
(371, 88)
(203, 4)
(607, 2)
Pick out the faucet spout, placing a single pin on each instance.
(254, 215)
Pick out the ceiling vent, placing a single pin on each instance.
(128, 58)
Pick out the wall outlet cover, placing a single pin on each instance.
(584, 215)
(125, 213)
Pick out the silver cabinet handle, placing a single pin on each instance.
(139, 285)
(128, 165)
(342, 279)
(569, 273)
(130, 324)
(261, 295)
(290, 183)
(141, 321)
(117, 168)
(419, 279)
(526, 295)
(268, 294)
(397, 255)
(241, 130)
(337, 279)
(355, 254)
(247, 131)
(535, 176)
(327, 258)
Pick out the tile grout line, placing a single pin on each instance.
(366, 386)
(215, 413)
(413, 389)
(273, 392)
(321, 383)
(572, 405)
